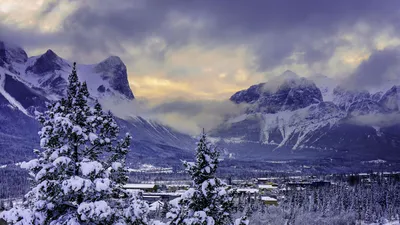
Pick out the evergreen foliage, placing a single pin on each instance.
(209, 201)
(79, 173)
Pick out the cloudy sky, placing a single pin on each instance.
(211, 48)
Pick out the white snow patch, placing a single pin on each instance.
(91, 167)
(76, 184)
(376, 161)
(102, 184)
(267, 198)
(92, 137)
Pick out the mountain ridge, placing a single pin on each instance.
(307, 122)
(27, 83)
(286, 117)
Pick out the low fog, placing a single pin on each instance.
(376, 120)
(182, 115)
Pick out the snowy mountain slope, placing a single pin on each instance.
(8, 97)
(344, 98)
(391, 99)
(353, 122)
(326, 85)
(287, 116)
(27, 83)
(284, 127)
(301, 124)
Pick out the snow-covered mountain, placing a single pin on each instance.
(287, 117)
(289, 94)
(294, 118)
(49, 73)
(27, 83)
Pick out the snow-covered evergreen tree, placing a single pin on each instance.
(209, 201)
(78, 175)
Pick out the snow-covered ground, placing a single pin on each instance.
(397, 222)
(148, 168)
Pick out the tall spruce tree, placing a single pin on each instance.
(209, 201)
(78, 175)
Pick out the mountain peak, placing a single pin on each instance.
(8, 45)
(291, 93)
(396, 88)
(391, 99)
(112, 61)
(288, 74)
(49, 62)
(296, 82)
(110, 65)
(11, 53)
(114, 70)
(50, 54)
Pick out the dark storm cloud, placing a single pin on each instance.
(94, 25)
(381, 67)
(52, 5)
(30, 37)
(272, 29)
(324, 51)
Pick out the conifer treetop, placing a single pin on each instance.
(209, 201)
(206, 161)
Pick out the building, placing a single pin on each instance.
(266, 180)
(157, 205)
(141, 187)
(269, 200)
(165, 197)
(247, 190)
(268, 187)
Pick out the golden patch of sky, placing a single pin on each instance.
(387, 39)
(193, 72)
(28, 13)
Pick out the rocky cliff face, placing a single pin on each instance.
(391, 99)
(114, 70)
(293, 116)
(291, 94)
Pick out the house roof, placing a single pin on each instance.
(266, 186)
(139, 186)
